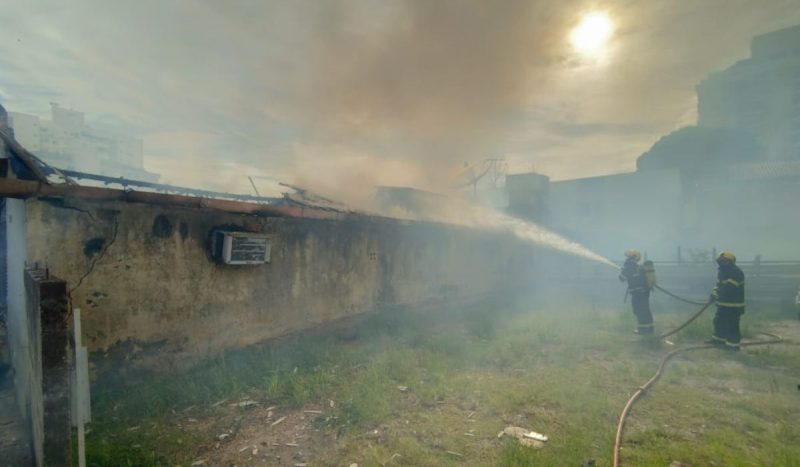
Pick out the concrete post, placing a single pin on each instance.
(50, 294)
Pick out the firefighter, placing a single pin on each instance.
(729, 297)
(639, 288)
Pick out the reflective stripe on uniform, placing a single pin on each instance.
(732, 344)
(717, 338)
(733, 281)
(731, 305)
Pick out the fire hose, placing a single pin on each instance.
(642, 389)
(691, 318)
(686, 323)
(685, 300)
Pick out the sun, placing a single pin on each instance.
(591, 36)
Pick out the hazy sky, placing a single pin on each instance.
(338, 94)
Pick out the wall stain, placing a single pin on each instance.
(162, 227)
(93, 246)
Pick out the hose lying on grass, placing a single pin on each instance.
(775, 339)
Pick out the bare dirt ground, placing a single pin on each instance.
(248, 433)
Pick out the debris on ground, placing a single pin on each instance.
(278, 421)
(678, 464)
(245, 403)
(536, 436)
(402, 388)
(524, 436)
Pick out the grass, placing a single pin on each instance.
(470, 372)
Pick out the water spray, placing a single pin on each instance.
(531, 232)
(462, 212)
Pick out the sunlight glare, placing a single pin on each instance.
(591, 36)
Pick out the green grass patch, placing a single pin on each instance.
(438, 386)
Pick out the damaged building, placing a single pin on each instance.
(164, 276)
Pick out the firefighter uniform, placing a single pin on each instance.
(729, 298)
(639, 288)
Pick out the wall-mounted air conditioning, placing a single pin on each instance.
(240, 247)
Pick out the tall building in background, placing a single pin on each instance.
(731, 182)
(67, 142)
(760, 94)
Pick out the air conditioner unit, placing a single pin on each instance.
(241, 247)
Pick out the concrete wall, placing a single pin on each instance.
(748, 217)
(142, 290)
(613, 213)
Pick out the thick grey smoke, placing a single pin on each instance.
(340, 94)
(421, 86)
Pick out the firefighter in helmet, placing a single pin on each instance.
(729, 297)
(639, 288)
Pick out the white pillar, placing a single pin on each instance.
(17, 317)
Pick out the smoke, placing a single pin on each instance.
(365, 85)
(417, 86)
